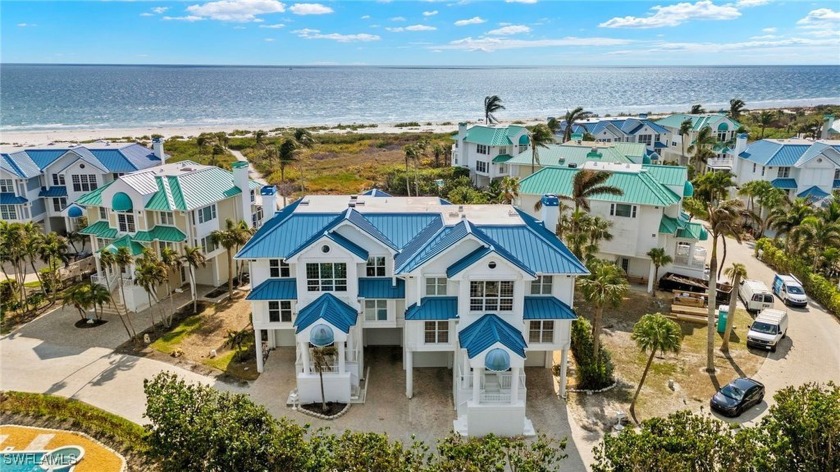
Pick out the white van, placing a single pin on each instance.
(769, 327)
(790, 290)
(755, 295)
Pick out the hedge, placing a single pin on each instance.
(820, 289)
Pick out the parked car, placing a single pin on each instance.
(755, 295)
(737, 396)
(789, 290)
(768, 328)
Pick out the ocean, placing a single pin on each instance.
(47, 97)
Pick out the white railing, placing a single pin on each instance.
(109, 282)
(494, 397)
(506, 379)
(721, 162)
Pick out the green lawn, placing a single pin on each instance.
(169, 342)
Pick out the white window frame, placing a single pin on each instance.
(646, 139)
(482, 301)
(59, 203)
(374, 308)
(436, 286)
(614, 210)
(166, 218)
(326, 284)
(59, 180)
(542, 286)
(541, 332)
(375, 266)
(836, 174)
(481, 166)
(8, 212)
(206, 244)
(203, 212)
(278, 269)
(436, 332)
(783, 172)
(7, 185)
(84, 182)
(103, 213)
(482, 149)
(282, 309)
(124, 224)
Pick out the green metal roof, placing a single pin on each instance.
(668, 175)
(668, 225)
(161, 233)
(693, 231)
(634, 151)
(502, 158)
(93, 198)
(570, 154)
(125, 241)
(639, 187)
(100, 229)
(493, 136)
(697, 121)
(194, 190)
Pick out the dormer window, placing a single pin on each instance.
(166, 218)
(375, 267)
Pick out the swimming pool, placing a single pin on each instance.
(63, 459)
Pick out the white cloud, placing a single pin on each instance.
(521, 1)
(189, 18)
(269, 40)
(310, 9)
(508, 30)
(430, 13)
(769, 30)
(307, 33)
(234, 10)
(147, 14)
(764, 36)
(26, 25)
(476, 20)
(751, 3)
(159, 10)
(412, 28)
(277, 26)
(674, 15)
(366, 17)
(495, 44)
(743, 46)
(820, 18)
(398, 18)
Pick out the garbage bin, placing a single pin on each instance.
(723, 313)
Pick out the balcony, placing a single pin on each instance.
(495, 388)
(721, 163)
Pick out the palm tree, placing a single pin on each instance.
(736, 273)
(492, 104)
(571, 117)
(438, 151)
(736, 105)
(811, 129)
(33, 240)
(713, 187)
(597, 230)
(723, 221)
(304, 138)
(508, 189)
(218, 150)
(702, 147)
(99, 297)
(685, 131)
(784, 218)
(149, 274)
(235, 339)
(201, 143)
(78, 296)
(171, 262)
(322, 358)
(193, 258)
(52, 251)
(259, 138)
(765, 119)
(411, 152)
(697, 109)
(654, 333)
(659, 258)
(540, 137)
(287, 153)
(605, 285)
(123, 259)
(578, 235)
(107, 260)
(589, 183)
(230, 238)
(813, 235)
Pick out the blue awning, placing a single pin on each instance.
(381, 287)
(11, 199)
(53, 192)
(784, 184)
(813, 193)
(74, 211)
(327, 308)
(433, 308)
(547, 308)
(274, 289)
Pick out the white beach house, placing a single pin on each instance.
(484, 149)
(574, 154)
(483, 290)
(640, 130)
(723, 128)
(41, 184)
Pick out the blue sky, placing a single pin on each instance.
(512, 32)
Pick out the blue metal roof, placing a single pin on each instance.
(381, 287)
(432, 309)
(19, 163)
(286, 233)
(8, 198)
(363, 224)
(44, 157)
(274, 289)
(420, 241)
(330, 309)
(53, 192)
(402, 228)
(575, 265)
(814, 193)
(784, 183)
(489, 330)
(375, 192)
(539, 253)
(547, 308)
(349, 245)
(437, 244)
(467, 261)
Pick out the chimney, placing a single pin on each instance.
(269, 202)
(550, 212)
(740, 144)
(157, 148)
(240, 179)
(461, 158)
(828, 122)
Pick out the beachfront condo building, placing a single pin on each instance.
(484, 149)
(42, 184)
(574, 154)
(485, 291)
(801, 167)
(723, 129)
(648, 215)
(640, 130)
(172, 205)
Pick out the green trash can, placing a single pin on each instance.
(723, 313)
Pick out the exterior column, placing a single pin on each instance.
(258, 344)
(99, 268)
(514, 386)
(341, 357)
(651, 274)
(305, 355)
(466, 371)
(476, 385)
(409, 373)
(564, 358)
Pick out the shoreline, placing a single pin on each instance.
(79, 133)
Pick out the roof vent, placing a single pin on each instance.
(304, 203)
(354, 197)
(186, 169)
(453, 214)
(460, 208)
(352, 204)
(562, 160)
(594, 149)
(572, 165)
(512, 212)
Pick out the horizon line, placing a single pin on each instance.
(418, 66)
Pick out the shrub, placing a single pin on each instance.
(407, 124)
(590, 374)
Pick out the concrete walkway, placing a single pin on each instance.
(253, 174)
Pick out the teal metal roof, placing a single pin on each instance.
(194, 190)
(100, 229)
(547, 308)
(669, 225)
(784, 184)
(694, 231)
(502, 158)
(274, 289)
(161, 233)
(493, 136)
(121, 202)
(381, 287)
(125, 241)
(330, 309)
(433, 309)
(697, 121)
(638, 187)
(667, 175)
(489, 330)
(53, 192)
(93, 198)
(561, 155)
